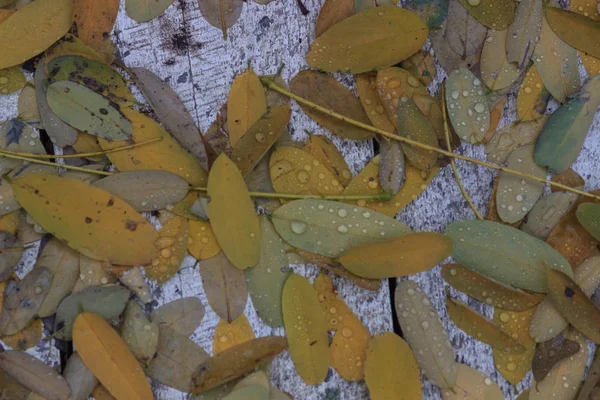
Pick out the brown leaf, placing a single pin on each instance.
(569, 178)
(27, 338)
(182, 315)
(550, 353)
(332, 12)
(323, 149)
(221, 14)
(93, 21)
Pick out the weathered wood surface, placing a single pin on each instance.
(182, 48)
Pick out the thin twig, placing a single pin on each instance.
(57, 165)
(452, 163)
(386, 196)
(273, 86)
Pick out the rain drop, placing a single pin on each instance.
(298, 227)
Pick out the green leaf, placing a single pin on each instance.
(467, 106)
(563, 135)
(495, 14)
(433, 12)
(329, 228)
(87, 111)
(140, 335)
(505, 254)
(412, 124)
(588, 215)
(394, 35)
(183, 315)
(146, 10)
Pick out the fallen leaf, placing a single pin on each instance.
(524, 32)
(513, 135)
(366, 86)
(93, 222)
(332, 12)
(328, 154)
(182, 315)
(547, 213)
(93, 273)
(228, 335)
(424, 333)
(421, 64)
(246, 104)
(532, 97)
(9, 223)
(106, 355)
(496, 71)
(591, 380)
(172, 246)
(588, 215)
(550, 353)
(94, 21)
(101, 393)
(495, 14)
(433, 12)
(391, 370)
(391, 166)
(27, 338)
(236, 361)
(145, 10)
(574, 29)
(472, 384)
(225, 286)
(344, 47)
(140, 335)
(202, 243)
(569, 178)
(504, 254)
(80, 379)
(306, 330)
(488, 291)
(222, 14)
(134, 281)
(11, 80)
(28, 108)
(492, 211)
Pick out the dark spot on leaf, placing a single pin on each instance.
(103, 111)
(88, 220)
(131, 225)
(313, 343)
(569, 292)
(110, 203)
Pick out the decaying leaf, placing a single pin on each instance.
(467, 106)
(488, 291)
(90, 220)
(140, 335)
(533, 96)
(23, 299)
(332, 12)
(134, 280)
(575, 29)
(172, 246)
(425, 334)
(80, 379)
(35, 375)
(11, 252)
(323, 227)
(246, 104)
(94, 21)
(27, 338)
(547, 213)
(391, 370)
(236, 361)
(366, 86)
(105, 301)
(412, 124)
(326, 91)
(481, 328)
(306, 330)
(405, 255)
(225, 286)
(232, 214)
(11, 80)
(433, 12)
(395, 34)
(93, 273)
(421, 63)
(12, 387)
(472, 384)
(328, 154)
(146, 10)
(108, 358)
(505, 254)
(496, 71)
(569, 178)
(266, 279)
(550, 353)
(348, 348)
(231, 334)
(202, 243)
(221, 14)
(391, 166)
(524, 32)
(512, 136)
(177, 359)
(182, 315)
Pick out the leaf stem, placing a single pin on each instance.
(273, 86)
(96, 153)
(386, 196)
(452, 163)
(57, 165)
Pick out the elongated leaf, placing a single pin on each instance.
(533, 96)
(492, 211)
(182, 315)
(12, 387)
(495, 14)
(433, 12)
(109, 359)
(63, 263)
(421, 65)
(94, 21)
(516, 196)
(481, 328)
(140, 335)
(231, 334)
(266, 279)
(323, 227)
(512, 136)
(106, 302)
(488, 291)
(172, 244)
(563, 380)
(34, 375)
(366, 86)
(27, 338)
(588, 215)
(574, 28)
(405, 255)
(325, 91)
(574, 305)
(246, 104)
(89, 220)
(467, 106)
(146, 190)
(177, 359)
(556, 62)
(332, 12)
(547, 213)
(425, 334)
(550, 353)
(93, 273)
(306, 330)
(236, 361)
(202, 243)
(232, 214)
(361, 5)
(22, 300)
(472, 384)
(412, 124)
(53, 19)
(391, 166)
(146, 10)
(496, 71)
(591, 380)
(391, 369)
(165, 154)
(505, 254)
(569, 178)
(348, 348)
(225, 287)
(221, 14)
(80, 379)
(328, 154)
(344, 47)
(524, 32)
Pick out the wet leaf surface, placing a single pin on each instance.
(472, 384)
(533, 96)
(182, 315)
(524, 32)
(246, 104)
(228, 335)
(550, 353)
(140, 335)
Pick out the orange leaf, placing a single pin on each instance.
(94, 20)
(231, 334)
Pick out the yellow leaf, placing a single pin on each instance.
(4, 14)
(328, 154)
(11, 80)
(591, 64)
(514, 367)
(165, 154)
(202, 243)
(101, 393)
(71, 45)
(348, 349)
(533, 96)
(495, 117)
(231, 334)
(472, 384)
(27, 338)
(19, 42)
(294, 170)
(232, 214)
(106, 355)
(391, 371)
(245, 105)
(10, 222)
(404, 255)
(172, 246)
(575, 29)
(94, 20)
(87, 143)
(88, 219)
(306, 330)
(332, 12)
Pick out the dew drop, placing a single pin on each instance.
(347, 332)
(393, 84)
(260, 138)
(511, 366)
(455, 94)
(298, 227)
(342, 229)
(479, 108)
(342, 212)
(303, 177)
